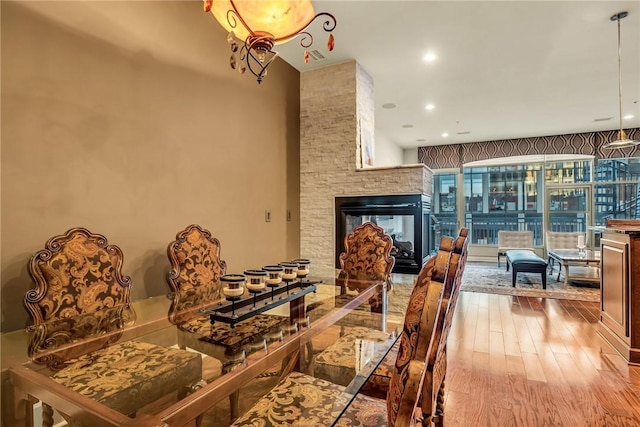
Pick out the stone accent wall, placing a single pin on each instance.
(336, 103)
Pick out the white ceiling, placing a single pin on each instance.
(505, 69)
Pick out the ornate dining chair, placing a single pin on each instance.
(378, 383)
(432, 401)
(303, 400)
(79, 307)
(367, 254)
(338, 362)
(366, 258)
(194, 280)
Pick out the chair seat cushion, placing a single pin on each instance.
(365, 411)
(241, 334)
(378, 384)
(340, 361)
(127, 376)
(299, 400)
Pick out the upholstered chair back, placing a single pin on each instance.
(196, 268)
(80, 293)
(80, 309)
(433, 385)
(421, 311)
(367, 253)
(450, 294)
(562, 239)
(76, 273)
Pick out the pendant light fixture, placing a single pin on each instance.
(622, 141)
(255, 26)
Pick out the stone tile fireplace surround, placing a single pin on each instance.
(336, 108)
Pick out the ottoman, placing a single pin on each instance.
(526, 261)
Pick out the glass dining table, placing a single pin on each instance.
(214, 382)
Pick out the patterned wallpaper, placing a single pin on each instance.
(590, 143)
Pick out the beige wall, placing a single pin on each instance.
(137, 140)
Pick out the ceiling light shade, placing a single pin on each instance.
(622, 140)
(255, 26)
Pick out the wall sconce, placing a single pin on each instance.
(255, 26)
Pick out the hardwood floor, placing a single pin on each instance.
(523, 361)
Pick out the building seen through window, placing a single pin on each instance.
(536, 194)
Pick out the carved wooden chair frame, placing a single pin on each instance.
(352, 262)
(44, 305)
(185, 299)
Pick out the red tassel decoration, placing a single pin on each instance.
(331, 43)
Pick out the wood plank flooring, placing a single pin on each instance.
(523, 361)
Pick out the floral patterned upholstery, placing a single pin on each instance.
(367, 252)
(337, 363)
(299, 400)
(195, 283)
(79, 307)
(194, 280)
(243, 333)
(130, 375)
(289, 403)
(433, 386)
(76, 273)
(366, 258)
(436, 274)
(196, 268)
(378, 383)
(55, 342)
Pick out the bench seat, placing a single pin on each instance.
(525, 261)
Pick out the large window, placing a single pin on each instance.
(617, 190)
(502, 198)
(570, 194)
(445, 213)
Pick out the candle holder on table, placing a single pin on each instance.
(290, 273)
(233, 289)
(581, 246)
(256, 282)
(303, 269)
(274, 276)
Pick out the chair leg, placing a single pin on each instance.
(47, 415)
(438, 418)
(234, 406)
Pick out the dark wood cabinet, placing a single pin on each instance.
(620, 288)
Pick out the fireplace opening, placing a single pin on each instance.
(406, 218)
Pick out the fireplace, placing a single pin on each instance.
(406, 218)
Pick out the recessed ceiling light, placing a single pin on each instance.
(430, 107)
(629, 117)
(389, 106)
(407, 126)
(429, 57)
(445, 134)
(420, 140)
